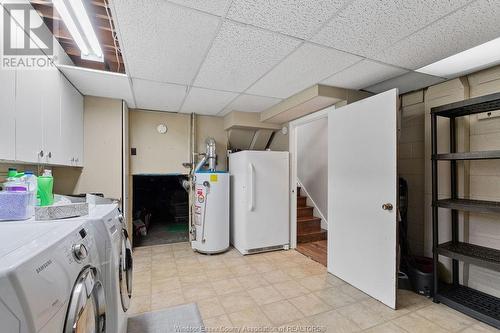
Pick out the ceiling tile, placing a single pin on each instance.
(215, 7)
(367, 27)
(299, 18)
(240, 55)
(99, 83)
(305, 67)
(363, 74)
(159, 96)
(466, 28)
(250, 103)
(162, 41)
(406, 82)
(206, 101)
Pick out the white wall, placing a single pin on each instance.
(102, 169)
(165, 153)
(312, 161)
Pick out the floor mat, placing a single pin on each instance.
(159, 233)
(183, 318)
(177, 227)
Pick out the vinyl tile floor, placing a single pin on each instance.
(276, 291)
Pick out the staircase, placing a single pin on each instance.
(308, 225)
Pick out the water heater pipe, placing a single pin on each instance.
(210, 156)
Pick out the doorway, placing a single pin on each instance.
(309, 156)
(362, 190)
(160, 210)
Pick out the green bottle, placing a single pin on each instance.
(12, 173)
(45, 188)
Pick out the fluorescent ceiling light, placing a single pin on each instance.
(476, 58)
(78, 23)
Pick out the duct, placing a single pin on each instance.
(201, 163)
(261, 139)
(211, 153)
(209, 156)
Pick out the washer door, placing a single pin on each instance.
(87, 307)
(125, 273)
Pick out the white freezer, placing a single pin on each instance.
(259, 200)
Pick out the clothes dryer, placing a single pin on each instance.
(50, 278)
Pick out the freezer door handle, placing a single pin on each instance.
(251, 185)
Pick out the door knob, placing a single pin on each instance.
(387, 206)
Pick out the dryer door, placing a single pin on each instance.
(87, 307)
(125, 272)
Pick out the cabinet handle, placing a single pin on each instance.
(40, 153)
(77, 160)
(72, 159)
(50, 154)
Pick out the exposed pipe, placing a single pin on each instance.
(209, 157)
(187, 183)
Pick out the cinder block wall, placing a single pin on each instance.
(411, 164)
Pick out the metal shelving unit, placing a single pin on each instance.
(472, 302)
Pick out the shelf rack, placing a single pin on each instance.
(472, 302)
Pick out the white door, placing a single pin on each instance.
(7, 114)
(51, 116)
(267, 199)
(7, 108)
(29, 133)
(71, 124)
(362, 181)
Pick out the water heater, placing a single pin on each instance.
(210, 226)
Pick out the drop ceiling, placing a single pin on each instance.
(213, 57)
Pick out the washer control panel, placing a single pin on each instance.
(80, 251)
(77, 246)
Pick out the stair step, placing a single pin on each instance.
(312, 236)
(305, 211)
(301, 201)
(308, 224)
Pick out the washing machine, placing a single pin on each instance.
(116, 256)
(50, 278)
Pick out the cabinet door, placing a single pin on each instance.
(7, 114)
(7, 108)
(71, 124)
(29, 134)
(51, 116)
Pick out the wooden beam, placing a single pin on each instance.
(47, 12)
(98, 15)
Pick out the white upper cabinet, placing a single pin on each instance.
(7, 108)
(51, 117)
(29, 118)
(41, 115)
(71, 124)
(7, 114)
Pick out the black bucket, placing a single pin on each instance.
(421, 274)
